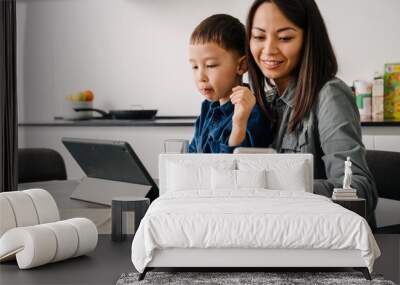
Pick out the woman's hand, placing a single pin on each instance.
(243, 100)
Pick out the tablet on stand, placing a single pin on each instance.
(112, 169)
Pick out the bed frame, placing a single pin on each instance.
(248, 259)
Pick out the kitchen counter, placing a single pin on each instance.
(166, 121)
(381, 124)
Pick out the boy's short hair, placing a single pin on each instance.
(226, 31)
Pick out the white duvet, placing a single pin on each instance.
(251, 218)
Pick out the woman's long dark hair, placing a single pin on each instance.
(317, 63)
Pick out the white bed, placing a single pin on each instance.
(221, 211)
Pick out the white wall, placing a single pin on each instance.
(135, 51)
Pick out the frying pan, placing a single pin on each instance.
(123, 114)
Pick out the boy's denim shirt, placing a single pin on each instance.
(214, 125)
(331, 131)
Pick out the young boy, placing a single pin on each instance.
(229, 116)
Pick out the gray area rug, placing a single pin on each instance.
(231, 278)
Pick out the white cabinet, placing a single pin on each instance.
(382, 138)
(390, 143)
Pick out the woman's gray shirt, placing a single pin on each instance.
(331, 132)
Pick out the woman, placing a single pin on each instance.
(292, 69)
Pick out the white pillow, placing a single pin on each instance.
(292, 178)
(223, 179)
(251, 178)
(237, 179)
(290, 175)
(188, 175)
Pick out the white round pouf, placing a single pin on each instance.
(67, 240)
(33, 246)
(30, 230)
(40, 244)
(87, 234)
(23, 208)
(45, 205)
(6, 216)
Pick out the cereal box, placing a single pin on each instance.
(392, 91)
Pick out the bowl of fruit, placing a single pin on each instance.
(80, 100)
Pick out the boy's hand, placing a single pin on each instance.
(243, 100)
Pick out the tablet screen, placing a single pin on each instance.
(110, 160)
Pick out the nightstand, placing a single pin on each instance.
(355, 205)
(138, 205)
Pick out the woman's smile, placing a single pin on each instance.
(272, 64)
